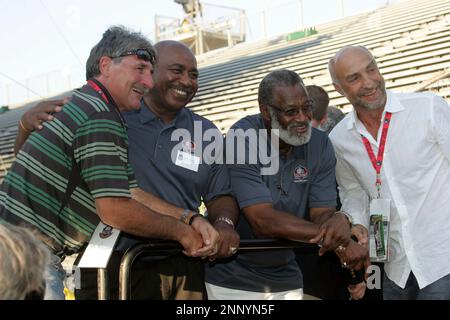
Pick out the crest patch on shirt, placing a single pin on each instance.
(300, 174)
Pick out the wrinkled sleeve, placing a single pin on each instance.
(101, 151)
(245, 175)
(440, 124)
(353, 198)
(323, 189)
(218, 179)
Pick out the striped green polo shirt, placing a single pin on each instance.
(90, 130)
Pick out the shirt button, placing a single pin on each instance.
(159, 146)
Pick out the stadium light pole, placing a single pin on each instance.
(342, 9)
(300, 12)
(263, 22)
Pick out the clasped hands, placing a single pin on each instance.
(335, 235)
(220, 241)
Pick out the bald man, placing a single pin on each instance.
(409, 181)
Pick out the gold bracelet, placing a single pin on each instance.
(23, 127)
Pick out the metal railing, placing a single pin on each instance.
(159, 247)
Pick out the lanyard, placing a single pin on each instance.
(106, 96)
(98, 89)
(378, 161)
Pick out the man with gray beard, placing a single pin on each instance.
(277, 205)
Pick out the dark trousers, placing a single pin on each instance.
(324, 278)
(438, 290)
(176, 277)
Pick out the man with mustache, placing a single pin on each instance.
(184, 185)
(277, 204)
(75, 171)
(411, 176)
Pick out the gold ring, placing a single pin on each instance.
(344, 264)
(233, 250)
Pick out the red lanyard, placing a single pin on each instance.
(378, 161)
(98, 89)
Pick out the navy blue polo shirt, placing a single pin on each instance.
(150, 151)
(306, 179)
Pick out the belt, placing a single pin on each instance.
(49, 242)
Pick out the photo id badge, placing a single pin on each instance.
(380, 210)
(187, 160)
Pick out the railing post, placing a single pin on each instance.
(171, 247)
(102, 282)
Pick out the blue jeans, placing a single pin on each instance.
(438, 290)
(54, 280)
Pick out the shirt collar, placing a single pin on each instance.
(147, 115)
(393, 105)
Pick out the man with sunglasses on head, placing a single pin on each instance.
(150, 132)
(75, 171)
(296, 202)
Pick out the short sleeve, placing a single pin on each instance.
(245, 175)
(101, 151)
(323, 191)
(218, 179)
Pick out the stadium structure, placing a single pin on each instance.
(410, 40)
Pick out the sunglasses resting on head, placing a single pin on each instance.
(142, 54)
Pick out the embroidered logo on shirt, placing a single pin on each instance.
(106, 232)
(300, 174)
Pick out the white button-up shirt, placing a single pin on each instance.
(415, 175)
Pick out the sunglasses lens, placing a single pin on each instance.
(145, 55)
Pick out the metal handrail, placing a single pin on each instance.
(160, 247)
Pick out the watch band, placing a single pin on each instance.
(184, 216)
(191, 219)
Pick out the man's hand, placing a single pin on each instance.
(357, 291)
(361, 233)
(228, 240)
(333, 233)
(33, 118)
(191, 241)
(209, 235)
(42, 112)
(354, 256)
